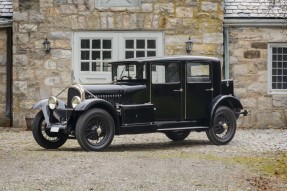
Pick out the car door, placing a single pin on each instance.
(199, 90)
(166, 90)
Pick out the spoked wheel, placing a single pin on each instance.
(95, 130)
(43, 136)
(223, 126)
(177, 135)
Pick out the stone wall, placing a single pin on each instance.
(37, 75)
(3, 58)
(248, 59)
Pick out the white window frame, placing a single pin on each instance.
(118, 50)
(270, 54)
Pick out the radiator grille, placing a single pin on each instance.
(71, 93)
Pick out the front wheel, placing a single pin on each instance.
(177, 135)
(223, 126)
(43, 136)
(95, 130)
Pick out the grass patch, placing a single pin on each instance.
(272, 164)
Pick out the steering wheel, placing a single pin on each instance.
(128, 77)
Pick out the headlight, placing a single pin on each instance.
(75, 101)
(53, 102)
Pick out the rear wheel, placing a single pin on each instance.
(95, 130)
(177, 135)
(223, 126)
(43, 136)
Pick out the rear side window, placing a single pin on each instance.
(198, 72)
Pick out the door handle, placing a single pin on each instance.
(209, 90)
(180, 90)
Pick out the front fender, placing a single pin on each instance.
(226, 100)
(89, 103)
(43, 105)
(100, 103)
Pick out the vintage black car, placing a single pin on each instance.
(171, 95)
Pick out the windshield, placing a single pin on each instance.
(129, 71)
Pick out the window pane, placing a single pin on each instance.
(285, 50)
(96, 55)
(274, 58)
(141, 44)
(274, 64)
(107, 55)
(107, 44)
(158, 76)
(285, 86)
(85, 55)
(165, 73)
(140, 54)
(85, 66)
(85, 43)
(151, 44)
(129, 54)
(285, 72)
(198, 72)
(274, 72)
(106, 67)
(129, 44)
(151, 53)
(274, 50)
(280, 57)
(280, 65)
(280, 50)
(96, 66)
(96, 44)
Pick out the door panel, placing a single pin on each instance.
(199, 90)
(166, 90)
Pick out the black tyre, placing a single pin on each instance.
(43, 136)
(177, 135)
(223, 126)
(95, 130)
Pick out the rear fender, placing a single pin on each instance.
(225, 100)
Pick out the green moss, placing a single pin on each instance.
(274, 164)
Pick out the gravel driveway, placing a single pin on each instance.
(147, 162)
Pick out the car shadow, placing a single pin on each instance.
(135, 147)
(169, 145)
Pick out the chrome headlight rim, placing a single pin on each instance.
(76, 100)
(53, 102)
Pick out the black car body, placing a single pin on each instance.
(173, 95)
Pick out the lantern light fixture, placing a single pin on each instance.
(188, 46)
(46, 45)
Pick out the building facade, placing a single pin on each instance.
(256, 53)
(85, 35)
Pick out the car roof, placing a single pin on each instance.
(167, 58)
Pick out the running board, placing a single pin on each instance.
(183, 128)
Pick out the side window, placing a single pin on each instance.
(198, 72)
(277, 68)
(165, 73)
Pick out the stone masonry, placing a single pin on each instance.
(248, 60)
(38, 75)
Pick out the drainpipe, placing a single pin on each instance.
(226, 52)
(9, 63)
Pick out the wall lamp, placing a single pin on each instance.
(188, 46)
(46, 45)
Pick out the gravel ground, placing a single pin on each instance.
(143, 162)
